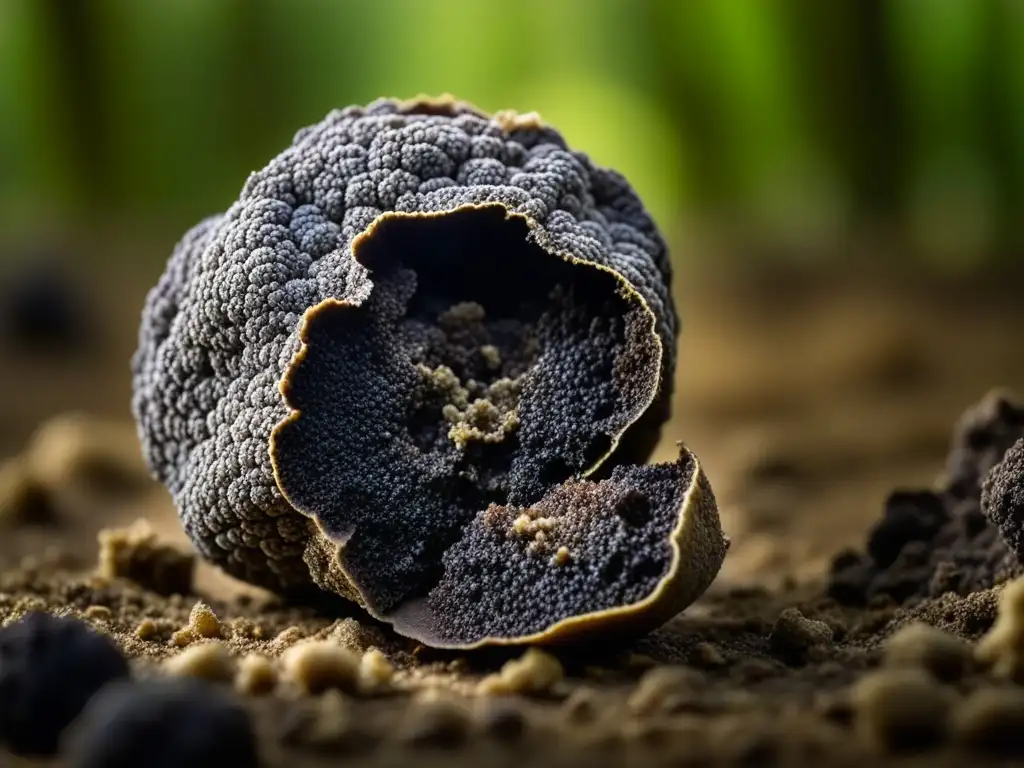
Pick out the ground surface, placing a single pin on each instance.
(807, 398)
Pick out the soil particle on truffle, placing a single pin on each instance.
(164, 724)
(50, 667)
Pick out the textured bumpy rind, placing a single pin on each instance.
(1002, 498)
(221, 326)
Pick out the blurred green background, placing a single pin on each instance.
(799, 125)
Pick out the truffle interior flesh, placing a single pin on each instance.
(443, 421)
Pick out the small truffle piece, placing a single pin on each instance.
(50, 667)
(163, 724)
(320, 665)
(1001, 650)
(136, 553)
(941, 653)
(901, 710)
(417, 325)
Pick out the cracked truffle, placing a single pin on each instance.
(425, 343)
(50, 667)
(161, 723)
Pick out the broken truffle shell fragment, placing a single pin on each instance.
(424, 340)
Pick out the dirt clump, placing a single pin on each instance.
(933, 541)
(137, 553)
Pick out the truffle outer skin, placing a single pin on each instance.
(221, 326)
(1002, 498)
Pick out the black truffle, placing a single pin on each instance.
(425, 314)
(50, 667)
(164, 724)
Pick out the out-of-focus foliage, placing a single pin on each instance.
(786, 119)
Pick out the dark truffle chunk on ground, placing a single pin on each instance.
(1002, 498)
(947, 539)
(50, 667)
(565, 565)
(164, 724)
